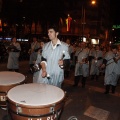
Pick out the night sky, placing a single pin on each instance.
(47, 9)
(115, 10)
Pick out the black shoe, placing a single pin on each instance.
(107, 89)
(92, 77)
(113, 89)
(83, 86)
(74, 85)
(113, 92)
(106, 92)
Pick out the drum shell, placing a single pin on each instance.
(25, 112)
(3, 92)
(6, 88)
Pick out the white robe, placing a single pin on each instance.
(111, 77)
(13, 58)
(53, 69)
(82, 69)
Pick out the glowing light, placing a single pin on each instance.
(0, 25)
(93, 2)
(84, 39)
(95, 41)
(68, 22)
(116, 27)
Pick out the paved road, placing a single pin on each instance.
(88, 103)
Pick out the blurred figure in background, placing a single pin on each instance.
(70, 50)
(37, 62)
(82, 65)
(112, 70)
(35, 45)
(96, 62)
(14, 53)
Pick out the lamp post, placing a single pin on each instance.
(83, 18)
(83, 21)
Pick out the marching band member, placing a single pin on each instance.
(82, 65)
(112, 69)
(37, 63)
(14, 53)
(70, 49)
(90, 57)
(97, 58)
(33, 52)
(118, 61)
(55, 56)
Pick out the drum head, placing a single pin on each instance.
(10, 78)
(35, 94)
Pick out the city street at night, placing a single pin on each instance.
(89, 103)
(75, 44)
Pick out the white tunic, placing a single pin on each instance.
(52, 56)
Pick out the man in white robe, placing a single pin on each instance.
(111, 71)
(55, 55)
(14, 53)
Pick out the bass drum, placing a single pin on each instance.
(35, 101)
(9, 80)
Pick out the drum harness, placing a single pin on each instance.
(112, 61)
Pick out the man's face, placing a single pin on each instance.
(52, 34)
(97, 48)
(14, 39)
(83, 45)
(41, 44)
(34, 39)
(114, 51)
(68, 41)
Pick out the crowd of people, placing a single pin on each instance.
(51, 62)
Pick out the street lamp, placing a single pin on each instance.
(93, 2)
(83, 19)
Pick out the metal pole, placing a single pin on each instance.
(83, 20)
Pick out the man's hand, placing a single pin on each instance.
(60, 62)
(115, 60)
(44, 74)
(102, 66)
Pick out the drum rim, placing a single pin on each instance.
(20, 81)
(10, 86)
(36, 106)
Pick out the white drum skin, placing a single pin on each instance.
(9, 80)
(35, 99)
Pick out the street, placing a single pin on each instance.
(89, 103)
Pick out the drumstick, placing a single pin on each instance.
(63, 55)
(48, 76)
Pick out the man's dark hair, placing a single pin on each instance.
(114, 47)
(54, 27)
(34, 36)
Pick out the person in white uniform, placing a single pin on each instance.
(14, 53)
(112, 70)
(35, 45)
(96, 62)
(82, 65)
(55, 56)
(37, 63)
